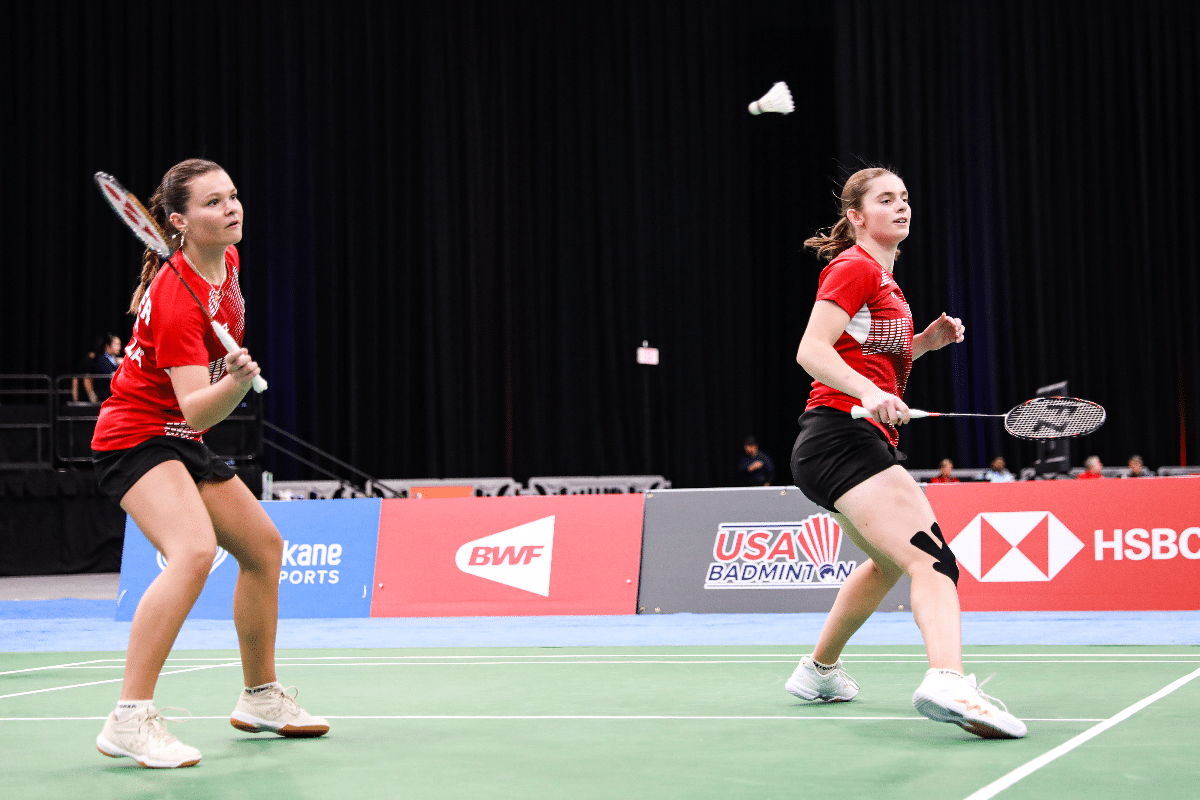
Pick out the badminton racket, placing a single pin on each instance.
(134, 214)
(1039, 418)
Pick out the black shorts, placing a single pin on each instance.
(118, 470)
(835, 452)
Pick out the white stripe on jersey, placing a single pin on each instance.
(860, 325)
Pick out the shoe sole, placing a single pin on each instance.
(251, 724)
(115, 752)
(807, 694)
(930, 708)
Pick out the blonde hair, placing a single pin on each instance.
(171, 197)
(841, 236)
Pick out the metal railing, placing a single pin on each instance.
(26, 422)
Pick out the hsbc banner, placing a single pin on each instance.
(508, 556)
(1106, 545)
(745, 550)
(328, 563)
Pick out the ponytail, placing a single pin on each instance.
(829, 245)
(841, 236)
(171, 197)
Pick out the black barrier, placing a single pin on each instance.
(25, 431)
(745, 550)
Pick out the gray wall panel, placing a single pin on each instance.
(684, 528)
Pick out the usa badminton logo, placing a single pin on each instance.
(519, 557)
(1015, 546)
(778, 555)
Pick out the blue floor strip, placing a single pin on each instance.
(88, 625)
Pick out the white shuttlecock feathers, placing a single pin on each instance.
(778, 100)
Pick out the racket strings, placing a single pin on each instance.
(1054, 418)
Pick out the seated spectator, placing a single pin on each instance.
(1137, 468)
(756, 467)
(106, 361)
(1093, 469)
(945, 476)
(84, 367)
(998, 472)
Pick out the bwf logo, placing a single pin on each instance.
(1015, 546)
(519, 557)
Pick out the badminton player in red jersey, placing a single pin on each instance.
(176, 382)
(859, 346)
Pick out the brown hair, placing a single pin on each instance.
(171, 197)
(841, 236)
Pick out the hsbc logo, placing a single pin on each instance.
(519, 557)
(1013, 546)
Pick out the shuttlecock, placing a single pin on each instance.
(778, 100)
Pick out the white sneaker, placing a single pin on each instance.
(275, 711)
(946, 696)
(144, 738)
(808, 683)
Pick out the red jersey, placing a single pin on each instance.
(877, 343)
(170, 331)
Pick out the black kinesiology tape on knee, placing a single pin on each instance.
(938, 549)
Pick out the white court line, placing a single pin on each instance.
(1195, 660)
(995, 787)
(73, 664)
(920, 656)
(114, 680)
(550, 716)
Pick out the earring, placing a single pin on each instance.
(182, 237)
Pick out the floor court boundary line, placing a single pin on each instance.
(72, 665)
(114, 680)
(1000, 784)
(789, 718)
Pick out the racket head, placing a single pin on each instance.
(133, 213)
(1054, 418)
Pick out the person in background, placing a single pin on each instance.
(102, 358)
(1092, 469)
(84, 367)
(997, 471)
(755, 467)
(946, 474)
(1137, 468)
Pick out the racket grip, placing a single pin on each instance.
(259, 383)
(858, 412)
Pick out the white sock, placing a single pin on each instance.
(823, 669)
(263, 688)
(127, 708)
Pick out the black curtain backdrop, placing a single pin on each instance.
(463, 217)
(1050, 149)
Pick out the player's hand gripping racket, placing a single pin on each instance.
(145, 228)
(1039, 418)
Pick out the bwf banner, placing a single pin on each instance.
(328, 563)
(1104, 545)
(508, 556)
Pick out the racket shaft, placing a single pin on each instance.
(259, 383)
(858, 412)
